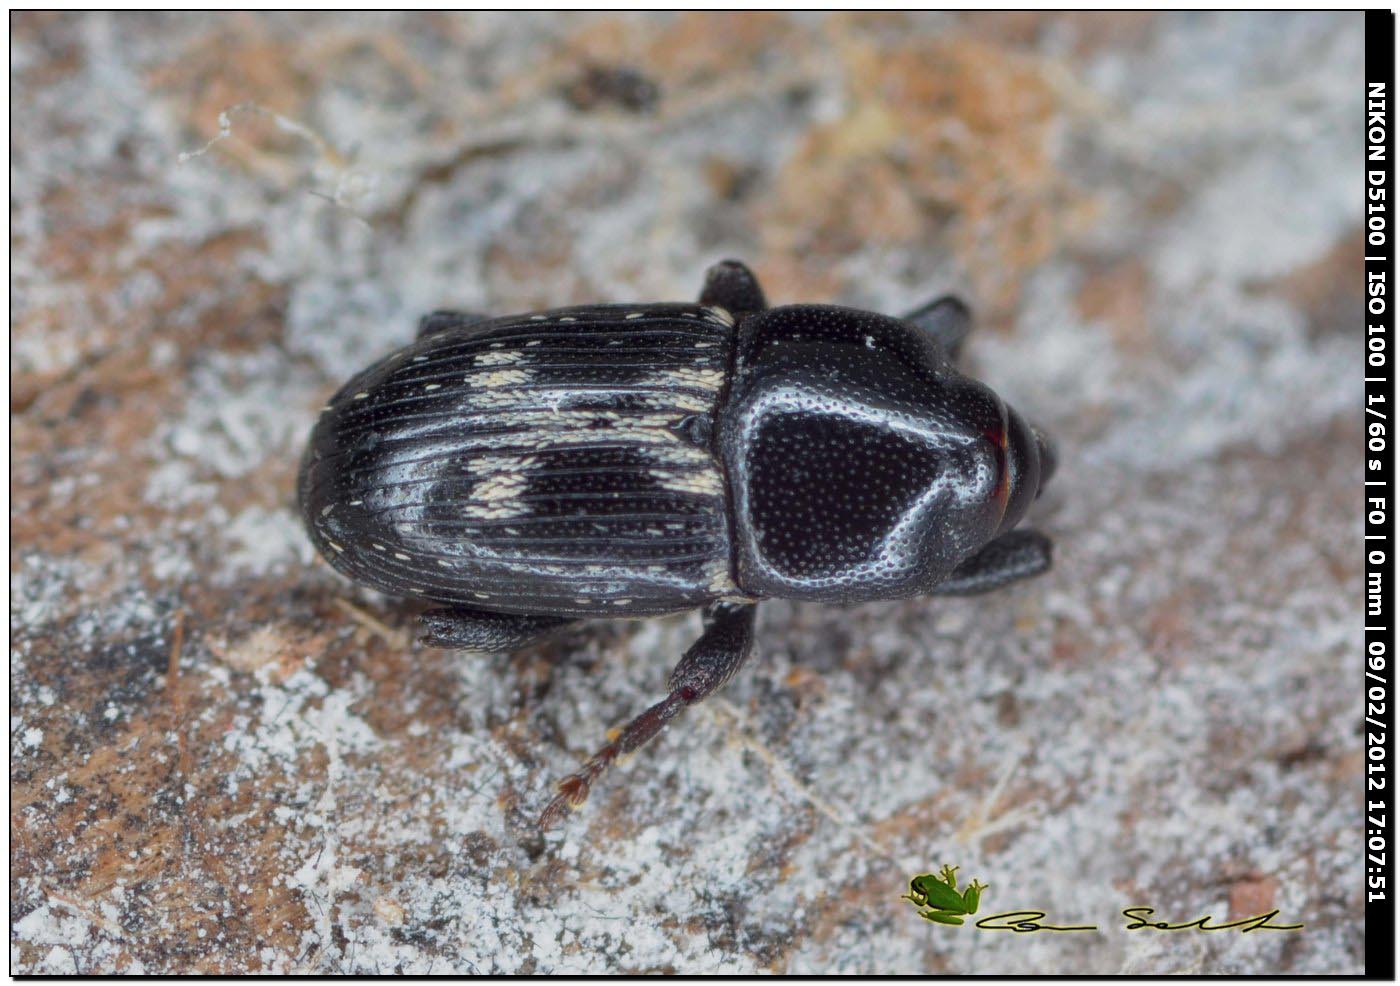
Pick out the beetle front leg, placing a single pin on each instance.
(1014, 556)
(730, 285)
(462, 628)
(711, 661)
(947, 319)
(443, 321)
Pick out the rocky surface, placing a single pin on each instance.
(226, 759)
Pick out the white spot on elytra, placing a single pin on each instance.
(496, 358)
(433, 386)
(377, 546)
(635, 314)
(500, 487)
(361, 395)
(400, 556)
(502, 378)
(687, 376)
(720, 581)
(701, 483)
(538, 318)
(720, 315)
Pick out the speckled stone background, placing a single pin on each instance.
(227, 759)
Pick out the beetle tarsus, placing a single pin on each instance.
(461, 628)
(573, 790)
(945, 318)
(710, 662)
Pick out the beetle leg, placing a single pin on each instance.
(729, 284)
(947, 319)
(481, 630)
(442, 321)
(1014, 556)
(711, 661)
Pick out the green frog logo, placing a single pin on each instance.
(938, 899)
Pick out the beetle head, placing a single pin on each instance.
(1029, 462)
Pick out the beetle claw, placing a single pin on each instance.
(573, 792)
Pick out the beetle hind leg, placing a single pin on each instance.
(710, 662)
(463, 628)
(947, 319)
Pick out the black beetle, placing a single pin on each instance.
(530, 471)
